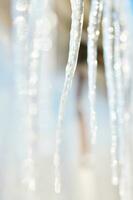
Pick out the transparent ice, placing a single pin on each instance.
(75, 38)
(93, 35)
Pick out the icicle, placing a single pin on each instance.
(22, 21)
(113, 69)
(37, 22)
(125, 168)
(32, 92)
(75, 38)
(126, 38)
(118, 72)
(93, 35)
(108, 42)
(119, 82)
(32, 114)
(26, 82)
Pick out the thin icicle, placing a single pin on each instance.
(113, 69)
(75, 38)
(119, 83)
(93, 35)
(125, 179)
(108, 42)
(32, 114)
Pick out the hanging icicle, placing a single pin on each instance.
(119, 82)
(108, 43)
(29, 31)
(126, 161)
(32, 114)
(119, 87)
(37, 22)
(75, 38)
(114, 80)
(93, 35)
(26, 83)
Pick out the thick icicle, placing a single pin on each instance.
(93, 35)
(21, 23)
(32, 74)
(75, 38)
(37, 21)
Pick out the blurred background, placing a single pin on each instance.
(81, 178)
